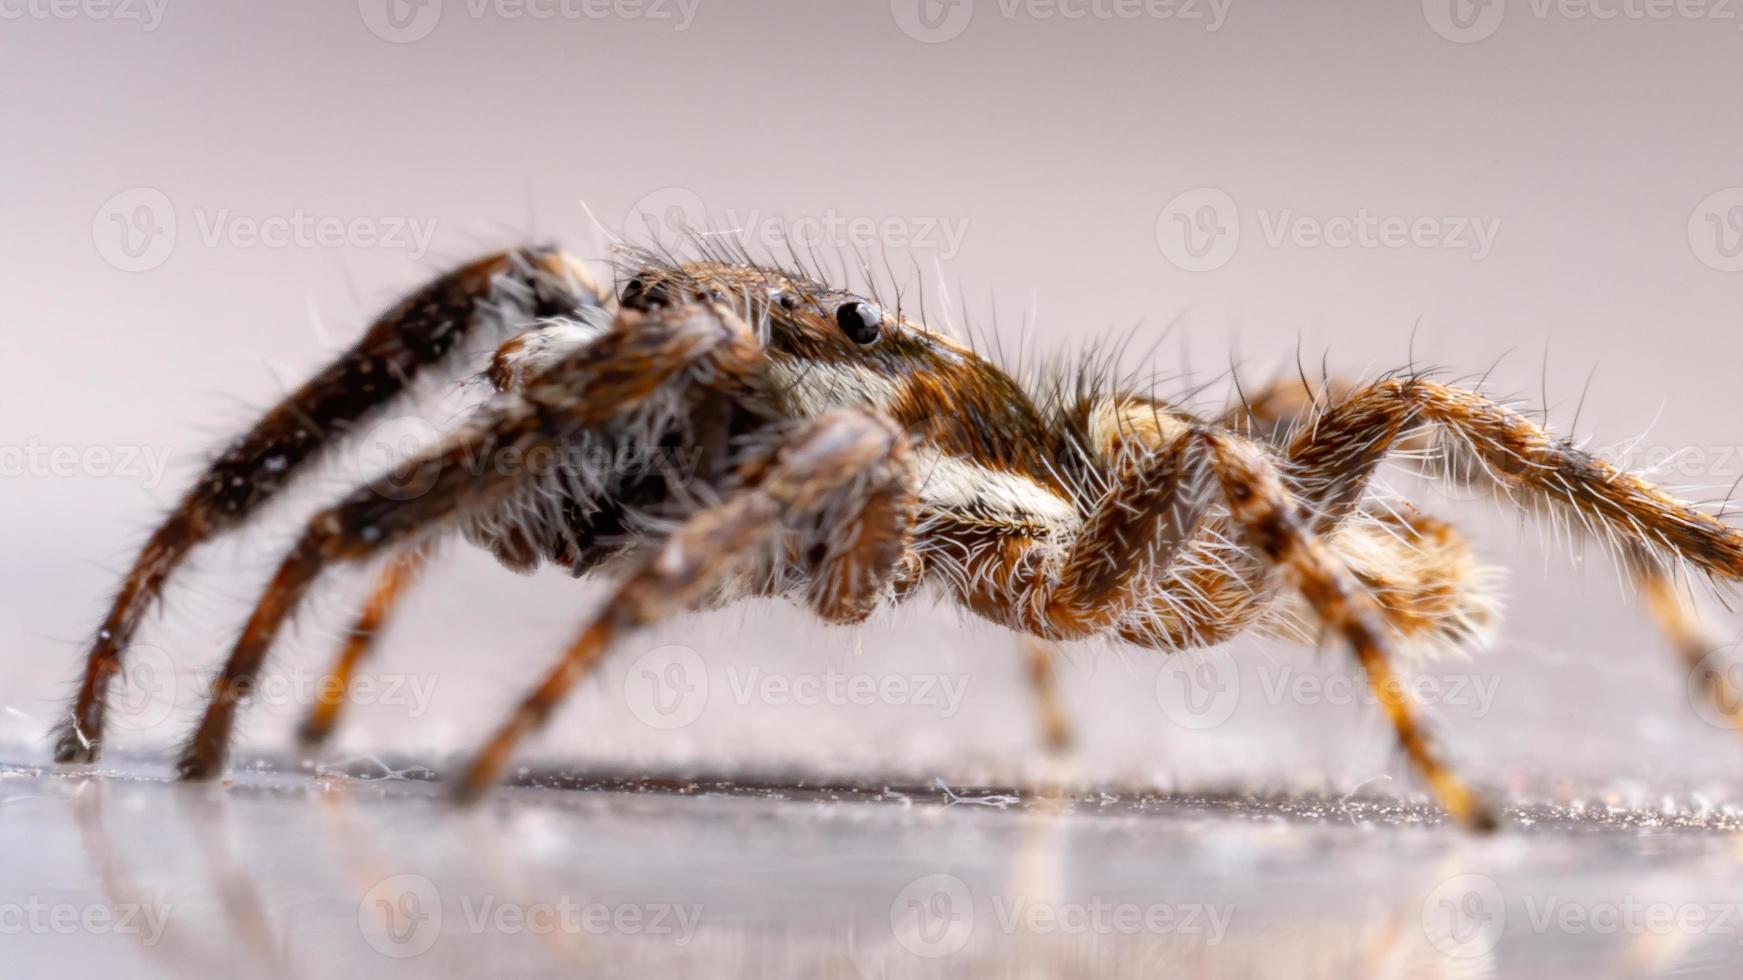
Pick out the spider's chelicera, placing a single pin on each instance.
(722, 429)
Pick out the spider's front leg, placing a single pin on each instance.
(418, 336)
(849, 472)
(644, 355)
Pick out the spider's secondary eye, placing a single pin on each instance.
(860, 321)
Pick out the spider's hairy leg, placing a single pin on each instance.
(420, 334)
(1650, 529)
(517, 362)
(837, 462)
(1141, 523)
(1056, 730)
(1277, 526)
(641, 356)
(1335, 458)
(1423, 572)
(1672, 609)
(389, 589)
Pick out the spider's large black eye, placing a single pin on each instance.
(860, 321)
(638, 295)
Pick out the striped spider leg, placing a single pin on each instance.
(1286, 412)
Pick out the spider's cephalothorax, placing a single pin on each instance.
(720, 429)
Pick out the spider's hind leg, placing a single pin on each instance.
(417, 336)
(1652, 532)
(1057, 732)
(1277, 526)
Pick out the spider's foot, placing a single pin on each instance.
(74, 747)
(312, 733)
(467, 791)
(194, 768)
(1468, 810)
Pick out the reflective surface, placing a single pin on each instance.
(286, 874)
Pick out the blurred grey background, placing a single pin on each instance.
(204, 201)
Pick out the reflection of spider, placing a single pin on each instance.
(728, 430)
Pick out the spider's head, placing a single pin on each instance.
(795, 315)
(835, 347)
(829, 348)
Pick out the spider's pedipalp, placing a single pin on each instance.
(646, 356)
(418, 336)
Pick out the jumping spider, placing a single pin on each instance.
(847, 457)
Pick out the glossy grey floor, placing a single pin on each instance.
(280, 873)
